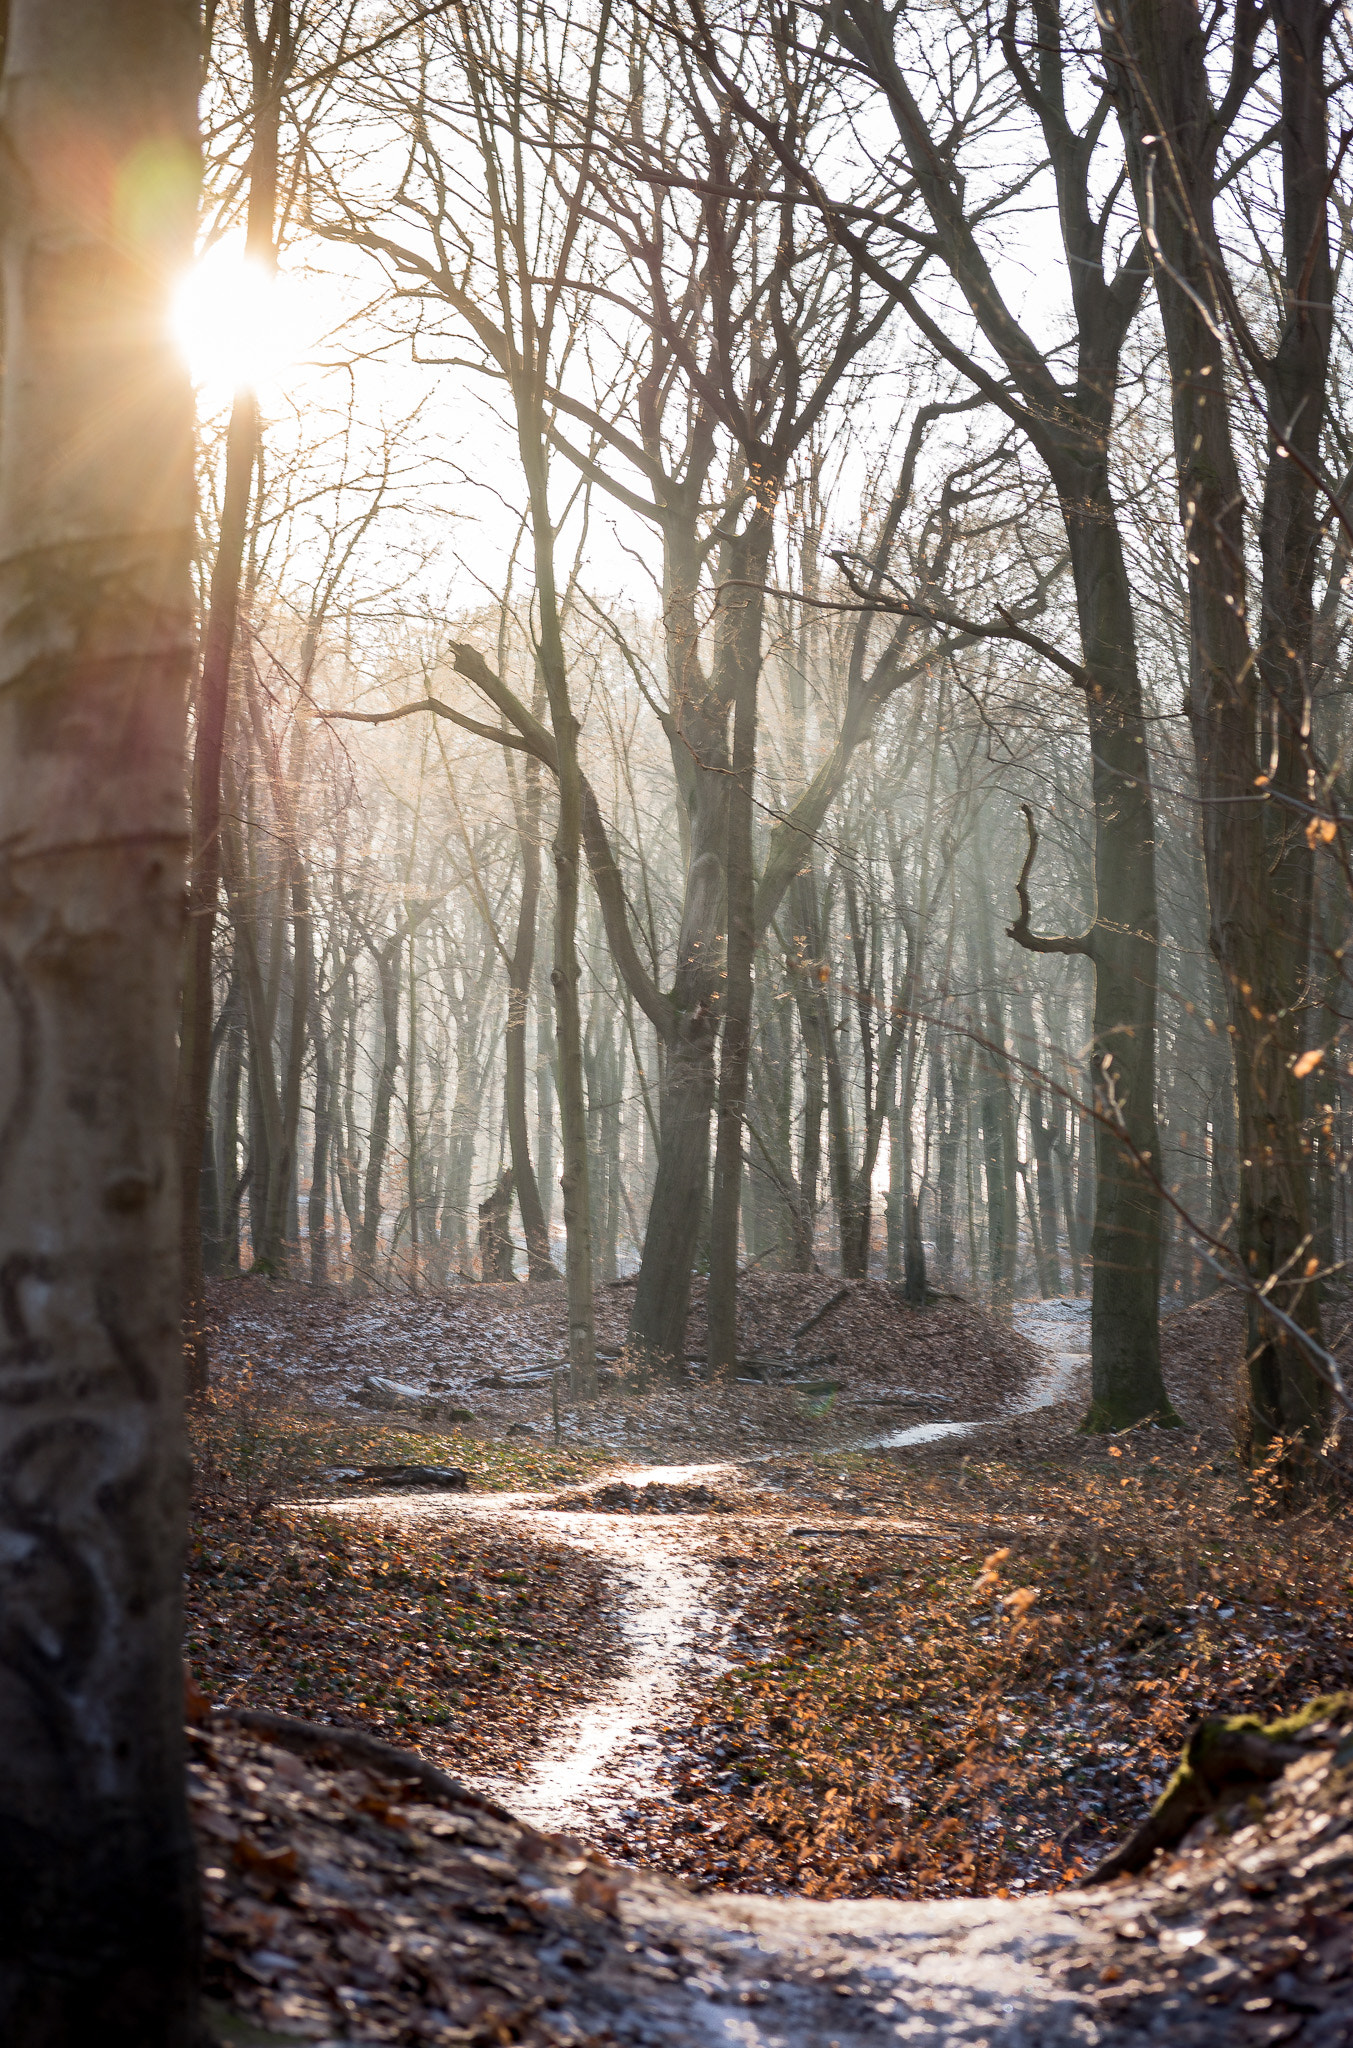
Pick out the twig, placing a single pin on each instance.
(820, 1314)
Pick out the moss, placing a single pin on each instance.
(1329, 1706)
(1224, 1760)
(1101, 1420)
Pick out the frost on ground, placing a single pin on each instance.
(489, 1352)
(821, 1675)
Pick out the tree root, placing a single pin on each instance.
(1223, 1761)
(323, 1744)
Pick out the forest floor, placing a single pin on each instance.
(956, 1669)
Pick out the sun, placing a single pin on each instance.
(240, 327)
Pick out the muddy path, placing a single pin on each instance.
(598, 1760)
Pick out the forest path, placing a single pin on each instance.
(602, 1757)
(762, 1972)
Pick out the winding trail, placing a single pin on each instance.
(599, 1759)
(791, 1972)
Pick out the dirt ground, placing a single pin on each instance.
(366, 1898)
(485, 1354)
(943, 1678)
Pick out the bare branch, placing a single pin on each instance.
(1021, 931)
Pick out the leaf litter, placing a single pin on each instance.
(985, 1718)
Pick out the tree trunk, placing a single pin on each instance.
(282, 1169)
(663, 1290)
(1126, 1384)
(950, 1096)
(1047, 1194)
(98, 1899)
(365, 1237)
(521, 966)
(807, 1004)
(999, 1146)
(204, 883)
(1062, 1146)
(566, 971)
(545, 1116)
(270, 63)
(895, 1201)
(317, 1213)
(495, 1235)
(913, 1255)
(1070, 424)
(226, 1258)
(1258, 860)
(740, 617)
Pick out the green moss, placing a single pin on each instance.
(1102, 1420)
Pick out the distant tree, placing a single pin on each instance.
(98, 1902)
(271, 48)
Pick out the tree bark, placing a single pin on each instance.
(98, 1897)
(698, 714)
(1248, 702)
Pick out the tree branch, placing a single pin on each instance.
(1021, 931)
(931, 614)
(434, 704)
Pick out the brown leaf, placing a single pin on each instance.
(593, 1888)
(274, 1866)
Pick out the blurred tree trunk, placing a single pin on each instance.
(317, 1213)
(226, 1253)
(1043, 1212)
(949, 1091)
(739, 620)
(545, 1111)
(387, 958)
(520, 969)
(771, 1200)
(98, 1896)
(1000, 1149)
(495, 1233)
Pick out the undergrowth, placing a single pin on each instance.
(250, 1450)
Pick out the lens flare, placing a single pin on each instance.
(239, 326)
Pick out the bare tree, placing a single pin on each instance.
(1250, 693)
(271, 47)
(1067, 421)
